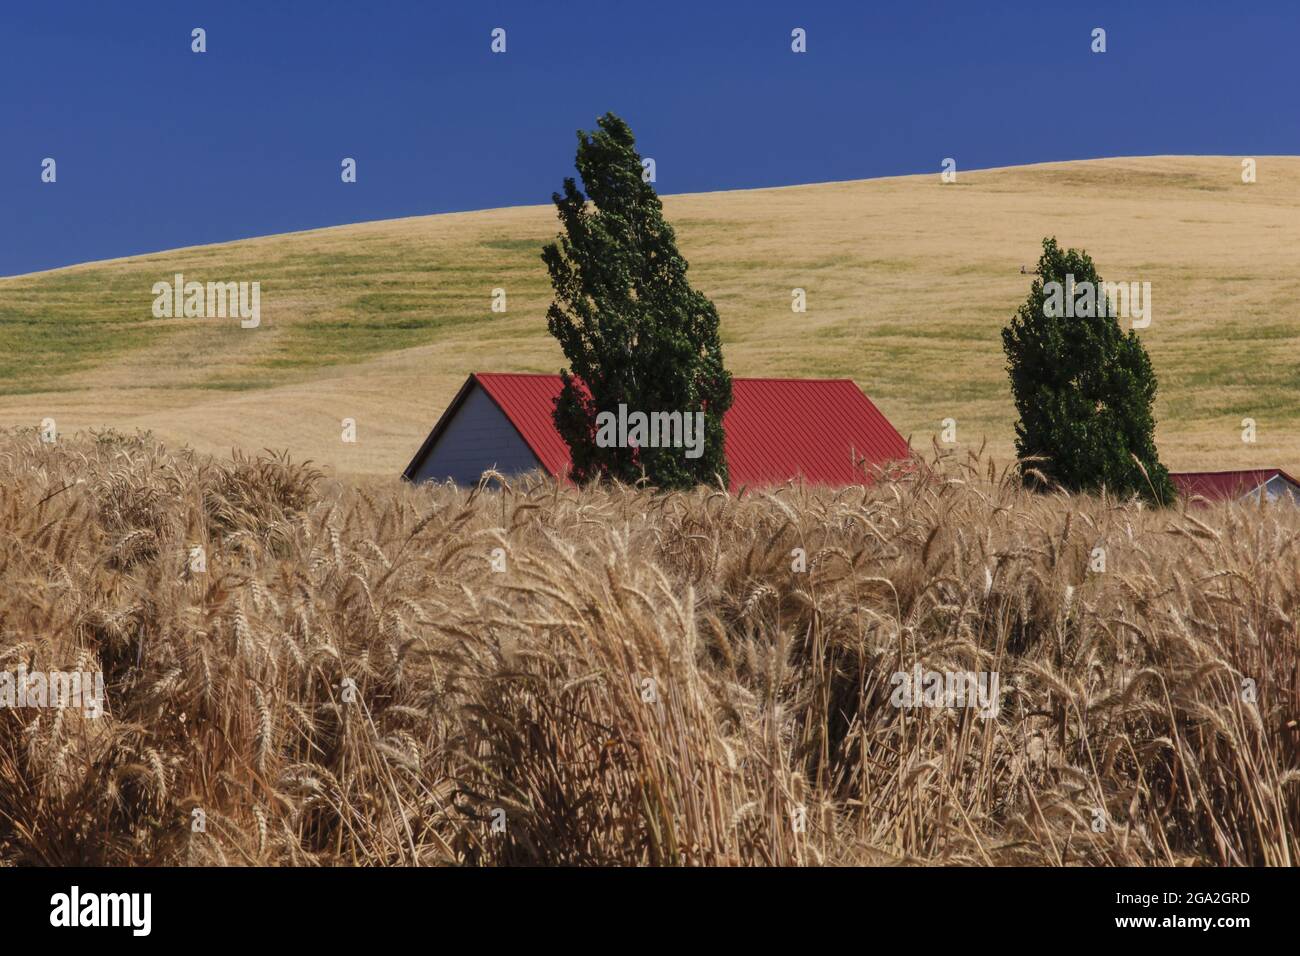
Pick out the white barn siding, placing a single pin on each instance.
(1278, 487)
(477, 438)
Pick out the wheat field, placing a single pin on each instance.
(370, 673)
(908, 282)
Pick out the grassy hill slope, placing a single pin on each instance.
(908, 283)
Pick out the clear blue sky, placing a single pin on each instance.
(159, 147)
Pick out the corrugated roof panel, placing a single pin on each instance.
(776, 430)
(1224, 485)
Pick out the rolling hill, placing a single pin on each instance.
(908, 283)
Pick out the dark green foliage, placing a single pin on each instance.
(632, 328)
(1084, 390)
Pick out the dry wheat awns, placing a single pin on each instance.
(349, 681)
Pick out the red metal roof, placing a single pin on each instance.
(1225, 485)
(776, 429)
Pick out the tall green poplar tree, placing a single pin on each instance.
(1084, 388)
(631, 327)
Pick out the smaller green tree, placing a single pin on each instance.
(1084, 388)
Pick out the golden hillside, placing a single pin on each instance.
(908, 283)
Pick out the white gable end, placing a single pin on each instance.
(1278, 488)
(479, 437)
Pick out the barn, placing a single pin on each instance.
(822, 431)
(1272, 483)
